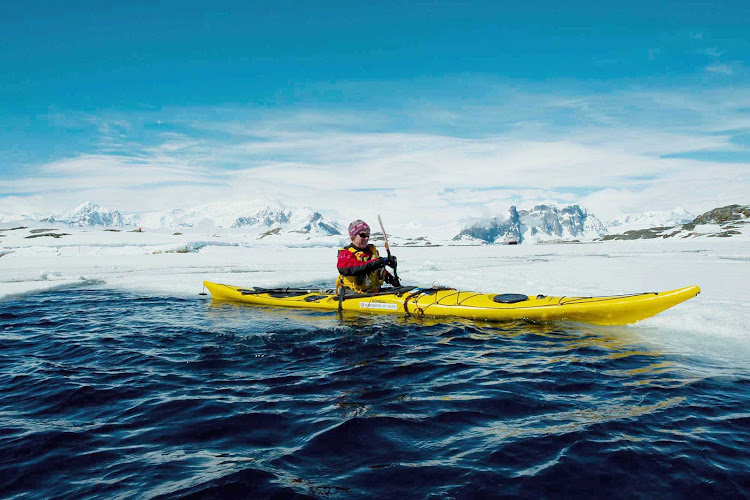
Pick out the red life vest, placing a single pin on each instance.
(360, 270)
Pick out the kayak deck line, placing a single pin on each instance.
(449, 302)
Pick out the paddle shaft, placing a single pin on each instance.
(387, 248)
(385, 236)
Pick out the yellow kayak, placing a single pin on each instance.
(447, 302)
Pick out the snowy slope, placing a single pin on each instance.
(648, 220)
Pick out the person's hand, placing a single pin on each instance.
(391, 261)
(384, 261)
(392, 280)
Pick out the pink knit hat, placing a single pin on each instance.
(357, 227)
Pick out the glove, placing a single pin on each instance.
(392, 280)
(391, 261)
(384, 261)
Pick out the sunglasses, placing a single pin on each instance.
(364, 235)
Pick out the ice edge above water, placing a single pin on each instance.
(164, 264)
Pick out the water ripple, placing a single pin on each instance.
(107, 394)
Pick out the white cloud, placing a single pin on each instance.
(615, 153)
(697, 186)
(653, 53)
(725, 69)
(710, 51)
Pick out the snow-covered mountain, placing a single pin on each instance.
(252, 216)
(301, 220)
(722, 222)
(277, 223)
(543, 223)
(648, 220)
(88, 214)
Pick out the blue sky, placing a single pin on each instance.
(154, 105)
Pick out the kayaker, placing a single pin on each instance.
(361, 268)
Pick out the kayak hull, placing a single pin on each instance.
(611, 310)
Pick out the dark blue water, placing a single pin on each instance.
(106, 394)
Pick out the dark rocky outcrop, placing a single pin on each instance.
(721, 216)
(51, 235)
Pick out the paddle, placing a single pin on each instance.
(388, 249)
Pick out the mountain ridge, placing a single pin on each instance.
(720, 222)
(88, 214)
(650, 219)
(544, 223)
(250, 216)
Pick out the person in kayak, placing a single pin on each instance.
(361, 268)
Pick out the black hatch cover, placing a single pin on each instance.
(510, 298)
